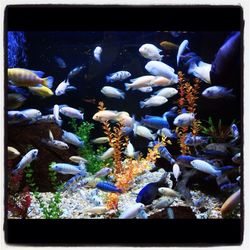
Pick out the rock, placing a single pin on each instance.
(21, 137)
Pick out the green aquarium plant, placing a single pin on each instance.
(87, 151)
(50, 210)
(218, 132)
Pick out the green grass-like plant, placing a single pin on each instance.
(219, 132)
(51, 210)
(87, 151)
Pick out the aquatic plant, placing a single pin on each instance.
(87, 151)
(16, 49)
(219, 132)
(188, 95)
(52, 210)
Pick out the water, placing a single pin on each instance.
(120, 52)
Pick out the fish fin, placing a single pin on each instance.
(142, 104)
(183, 111)
(136, 154)
(161, 56)
(48, 81)
(109, 79)
(70, 88)
(133, 80)
(51, 137)
(154, 136)
(38, 73)
(127, 86)
(192, 68)
(59, 123)
(121, 93)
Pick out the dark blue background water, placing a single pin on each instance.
(120, 52)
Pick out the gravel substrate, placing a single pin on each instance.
(88, 202)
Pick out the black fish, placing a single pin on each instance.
(150, 191)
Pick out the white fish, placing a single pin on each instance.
(168, 192)
(72, 113)
(103, 172)
(56, 144)
(100, 140)
(181, 49)
(161, 69)
(56, 115)
(176, 171)
(144, 132)
(124, 118)
(118, 76)
(27, 159)
(113, 92)
(140, 82)
(77, 159)
(62, 87)
(105, 115)
(96, 210)
(151, 52)
(163, 202)
(161, 81)
(97, 53)
(201, 71)
(184, 120)
(107, 154)
(145, 89)
(31, 113)
(130, 151)
(65, 168)
(167, 133)
(12, 153)
(153, 101)
(166, 92)
(72, 139)
(205, 167)
(132, 211)
(45, 119)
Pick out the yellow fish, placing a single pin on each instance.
(28, 78)
(41, 91)
(168, 45)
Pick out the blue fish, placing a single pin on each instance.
(108, 187)
(191, 140)
(235, 133)
(226, 61)
(216, 92)
(186, 158)
(150, 191)
(155, 122)
(60, 62)
(164, 153)
(171, 113)
(18, 90)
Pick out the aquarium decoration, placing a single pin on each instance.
(17, 56)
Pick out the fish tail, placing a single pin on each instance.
(161, 56)
(109, 79)
(48, 81)
(59, 123)
(127, 86)
(192, 68)
(142, 104)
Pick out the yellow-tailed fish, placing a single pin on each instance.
(28, 78)
(41, 91)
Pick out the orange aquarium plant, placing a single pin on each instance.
(188, 100)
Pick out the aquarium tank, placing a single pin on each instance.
(123, 125)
